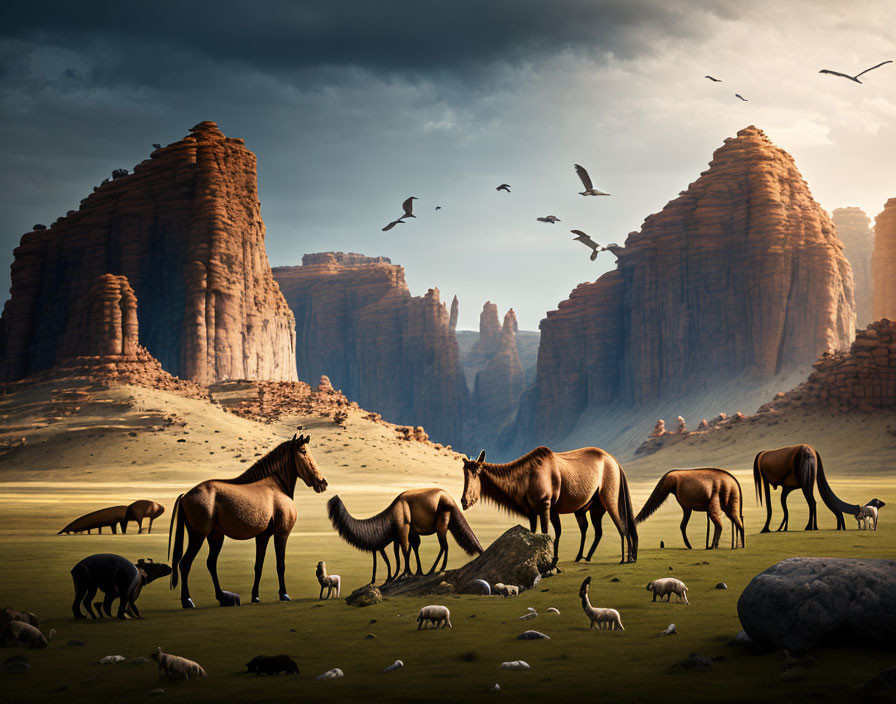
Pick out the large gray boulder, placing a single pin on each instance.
(804, 601)
(518, 557)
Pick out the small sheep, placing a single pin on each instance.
(332, 583)
(18, 634)
(867, 517)
(505, 590)
(9, 614)
(666, 587)
(436, 615)
(601, 618)
(174, 667)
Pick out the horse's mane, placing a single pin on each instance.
(272, 463)
(501, 478)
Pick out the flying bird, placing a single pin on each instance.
(588, 242)
(856, 77)
(738, 95)
(408, 206)
(549, 218)
(714, 80)
(393, 224)
(438, 207)
(590, 190)
(504, 187)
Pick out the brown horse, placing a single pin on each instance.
(257, 504)
(796, 467)
(543, 484)
(411, 514)
(143, 508)
(708, 489)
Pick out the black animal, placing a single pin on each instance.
(118, 578)
(272, 665)
(877, 503)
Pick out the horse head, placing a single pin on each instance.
(472, 486)
(306, 467)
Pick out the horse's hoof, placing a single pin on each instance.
(285, 597)
(256, 600)
(187, 603)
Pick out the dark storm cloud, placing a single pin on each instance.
(281, 37)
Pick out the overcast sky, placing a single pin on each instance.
(353, 106)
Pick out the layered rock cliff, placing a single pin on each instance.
(854, 230)
(186, 230)
(498, 384)
(393, 353)
(741, 276)
(883, 262)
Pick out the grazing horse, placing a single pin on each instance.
(411, 514)
(543, 484)
(257, 504)
(143, 508)
(796, 467)
(708, 489)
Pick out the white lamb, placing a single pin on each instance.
(332, 583)
(666, 587)
(175, 667)
(602, 618)
(867, 518)
(436, 615)
(506, 590)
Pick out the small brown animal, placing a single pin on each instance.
(175, 667)
(23, 635)
(9, 614)
(141, 509)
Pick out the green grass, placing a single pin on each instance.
(576, 664)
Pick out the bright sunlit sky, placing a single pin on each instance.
(353, 106)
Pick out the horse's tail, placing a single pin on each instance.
(177, 516)
(628, 515)
(462, 532)
(757, 478)
(831, 500)
(660, 493)
(370, 534)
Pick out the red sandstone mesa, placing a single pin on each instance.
(854, 230)
(186, 230)
(741, 276)
(883, 262)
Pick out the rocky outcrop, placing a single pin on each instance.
(452, 317)
(883, 262)
(861, 379)
(393, 353)
(742, 276)
(186, 230)
(803, 602)
(498, 385)
(854, 230)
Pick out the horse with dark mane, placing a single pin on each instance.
(709, 489)
(257, 504)
(543, 484)
(411, 514)
(796, 467)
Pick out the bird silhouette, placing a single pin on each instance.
(438, 207)
(856, 77)
(504, 187)
(590, 190)
(549, 218)
(714, 80)
(738, 95)
(393, 224)
(156, 146)
(588, 242)
(408, 207)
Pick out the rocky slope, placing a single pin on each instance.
(883, 263)
(186, 230)
(854, 230)
(498, 384)
(391, 352)
(742, 276)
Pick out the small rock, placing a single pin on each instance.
(368, 595)
(515, 665)
(741, 639)
(532, 613)
(616, 579)
(695, 661)
(495, 688)
(533, 635)
(721, 585)
(16, 665)
(111, 660)
(75, 643)
(333, 674)
(670, 569)
(157, 691)
(552, 610)
(140, 660)
(671, 630)
(394, 666)
(370, 636)
(371, 622)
